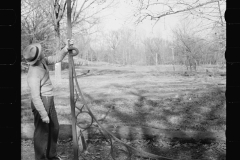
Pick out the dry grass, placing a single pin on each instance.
(145, 96)
(152, 96)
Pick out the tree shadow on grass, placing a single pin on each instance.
(201, 113)
(194, 111)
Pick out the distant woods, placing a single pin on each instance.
(44, 21)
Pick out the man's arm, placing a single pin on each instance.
(34, 84)
(60, 55)
(57, 58)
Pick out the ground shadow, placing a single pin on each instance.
(200, 113)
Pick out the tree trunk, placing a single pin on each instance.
(173, 59)
(156, 59)
(58, 76)
(123, 58)
(91, 56)
(126, 58)
(86, 58)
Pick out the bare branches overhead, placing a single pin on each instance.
(86, 11)
(156, 9)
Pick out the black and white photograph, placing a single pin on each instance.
(123, 80)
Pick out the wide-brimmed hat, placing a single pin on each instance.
(32, 52)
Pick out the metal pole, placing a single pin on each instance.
(71, 84)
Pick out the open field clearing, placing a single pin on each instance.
(144, 98)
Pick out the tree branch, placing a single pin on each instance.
(171, 12)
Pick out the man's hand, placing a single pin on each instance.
(46, 120)
(70, 42)
(66, 44)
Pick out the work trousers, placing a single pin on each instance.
(45, 134)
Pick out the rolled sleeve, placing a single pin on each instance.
(56, 58)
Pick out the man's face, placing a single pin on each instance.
(41, 57)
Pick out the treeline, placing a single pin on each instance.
(45, 22)
(126, 48)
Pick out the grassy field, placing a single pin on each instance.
(152, 96)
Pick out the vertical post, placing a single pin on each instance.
(173, 58)
(58, 77)
(71, 84)
(156, 59)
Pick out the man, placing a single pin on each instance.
(42, 100)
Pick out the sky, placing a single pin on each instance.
(121, 17)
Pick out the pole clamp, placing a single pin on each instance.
(71, 49)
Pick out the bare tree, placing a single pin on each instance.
(190, 47)
(34, 25)
(113, 39)
(82, 15)
(154, 48)
(211, 12)
(86, 12)
(121, 44)
(156, 9)
(126, 45)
